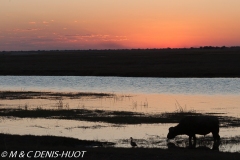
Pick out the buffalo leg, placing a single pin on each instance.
(194, 140)
(216, 146)
(216, 137)
(190, 141)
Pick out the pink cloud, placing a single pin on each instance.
(97, 37)
(32, 22)
(26, 30)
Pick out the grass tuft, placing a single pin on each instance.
(180, 109)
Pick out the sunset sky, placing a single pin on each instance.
(117, 24)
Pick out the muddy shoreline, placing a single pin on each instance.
(204, 62)
(105, 150)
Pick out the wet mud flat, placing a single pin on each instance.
(151, 147)
(195, 62)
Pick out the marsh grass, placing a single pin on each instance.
(37, 126)
(231, 143)
(26, 106)
(227, 144)
(87, 127)
(135, 104)
(60, 105)
(11, 95)
(114, 117)
(181, 109)
(39, 108)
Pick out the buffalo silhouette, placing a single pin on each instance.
(192, 125)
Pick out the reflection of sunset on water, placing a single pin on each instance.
(146, 103)
(150, 135)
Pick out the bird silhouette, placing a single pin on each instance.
(133, 144)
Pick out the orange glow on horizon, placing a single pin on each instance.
(105, 24)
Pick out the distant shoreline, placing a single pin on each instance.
(195, 62)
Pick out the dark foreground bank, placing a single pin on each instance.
(199, 62)
(102, 150)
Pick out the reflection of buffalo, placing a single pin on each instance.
(206, 147)
(196, 125)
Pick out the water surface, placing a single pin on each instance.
(123, 84)
(147, 95)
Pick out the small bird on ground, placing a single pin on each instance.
(133, 144)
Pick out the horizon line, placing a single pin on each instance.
(168, 48)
